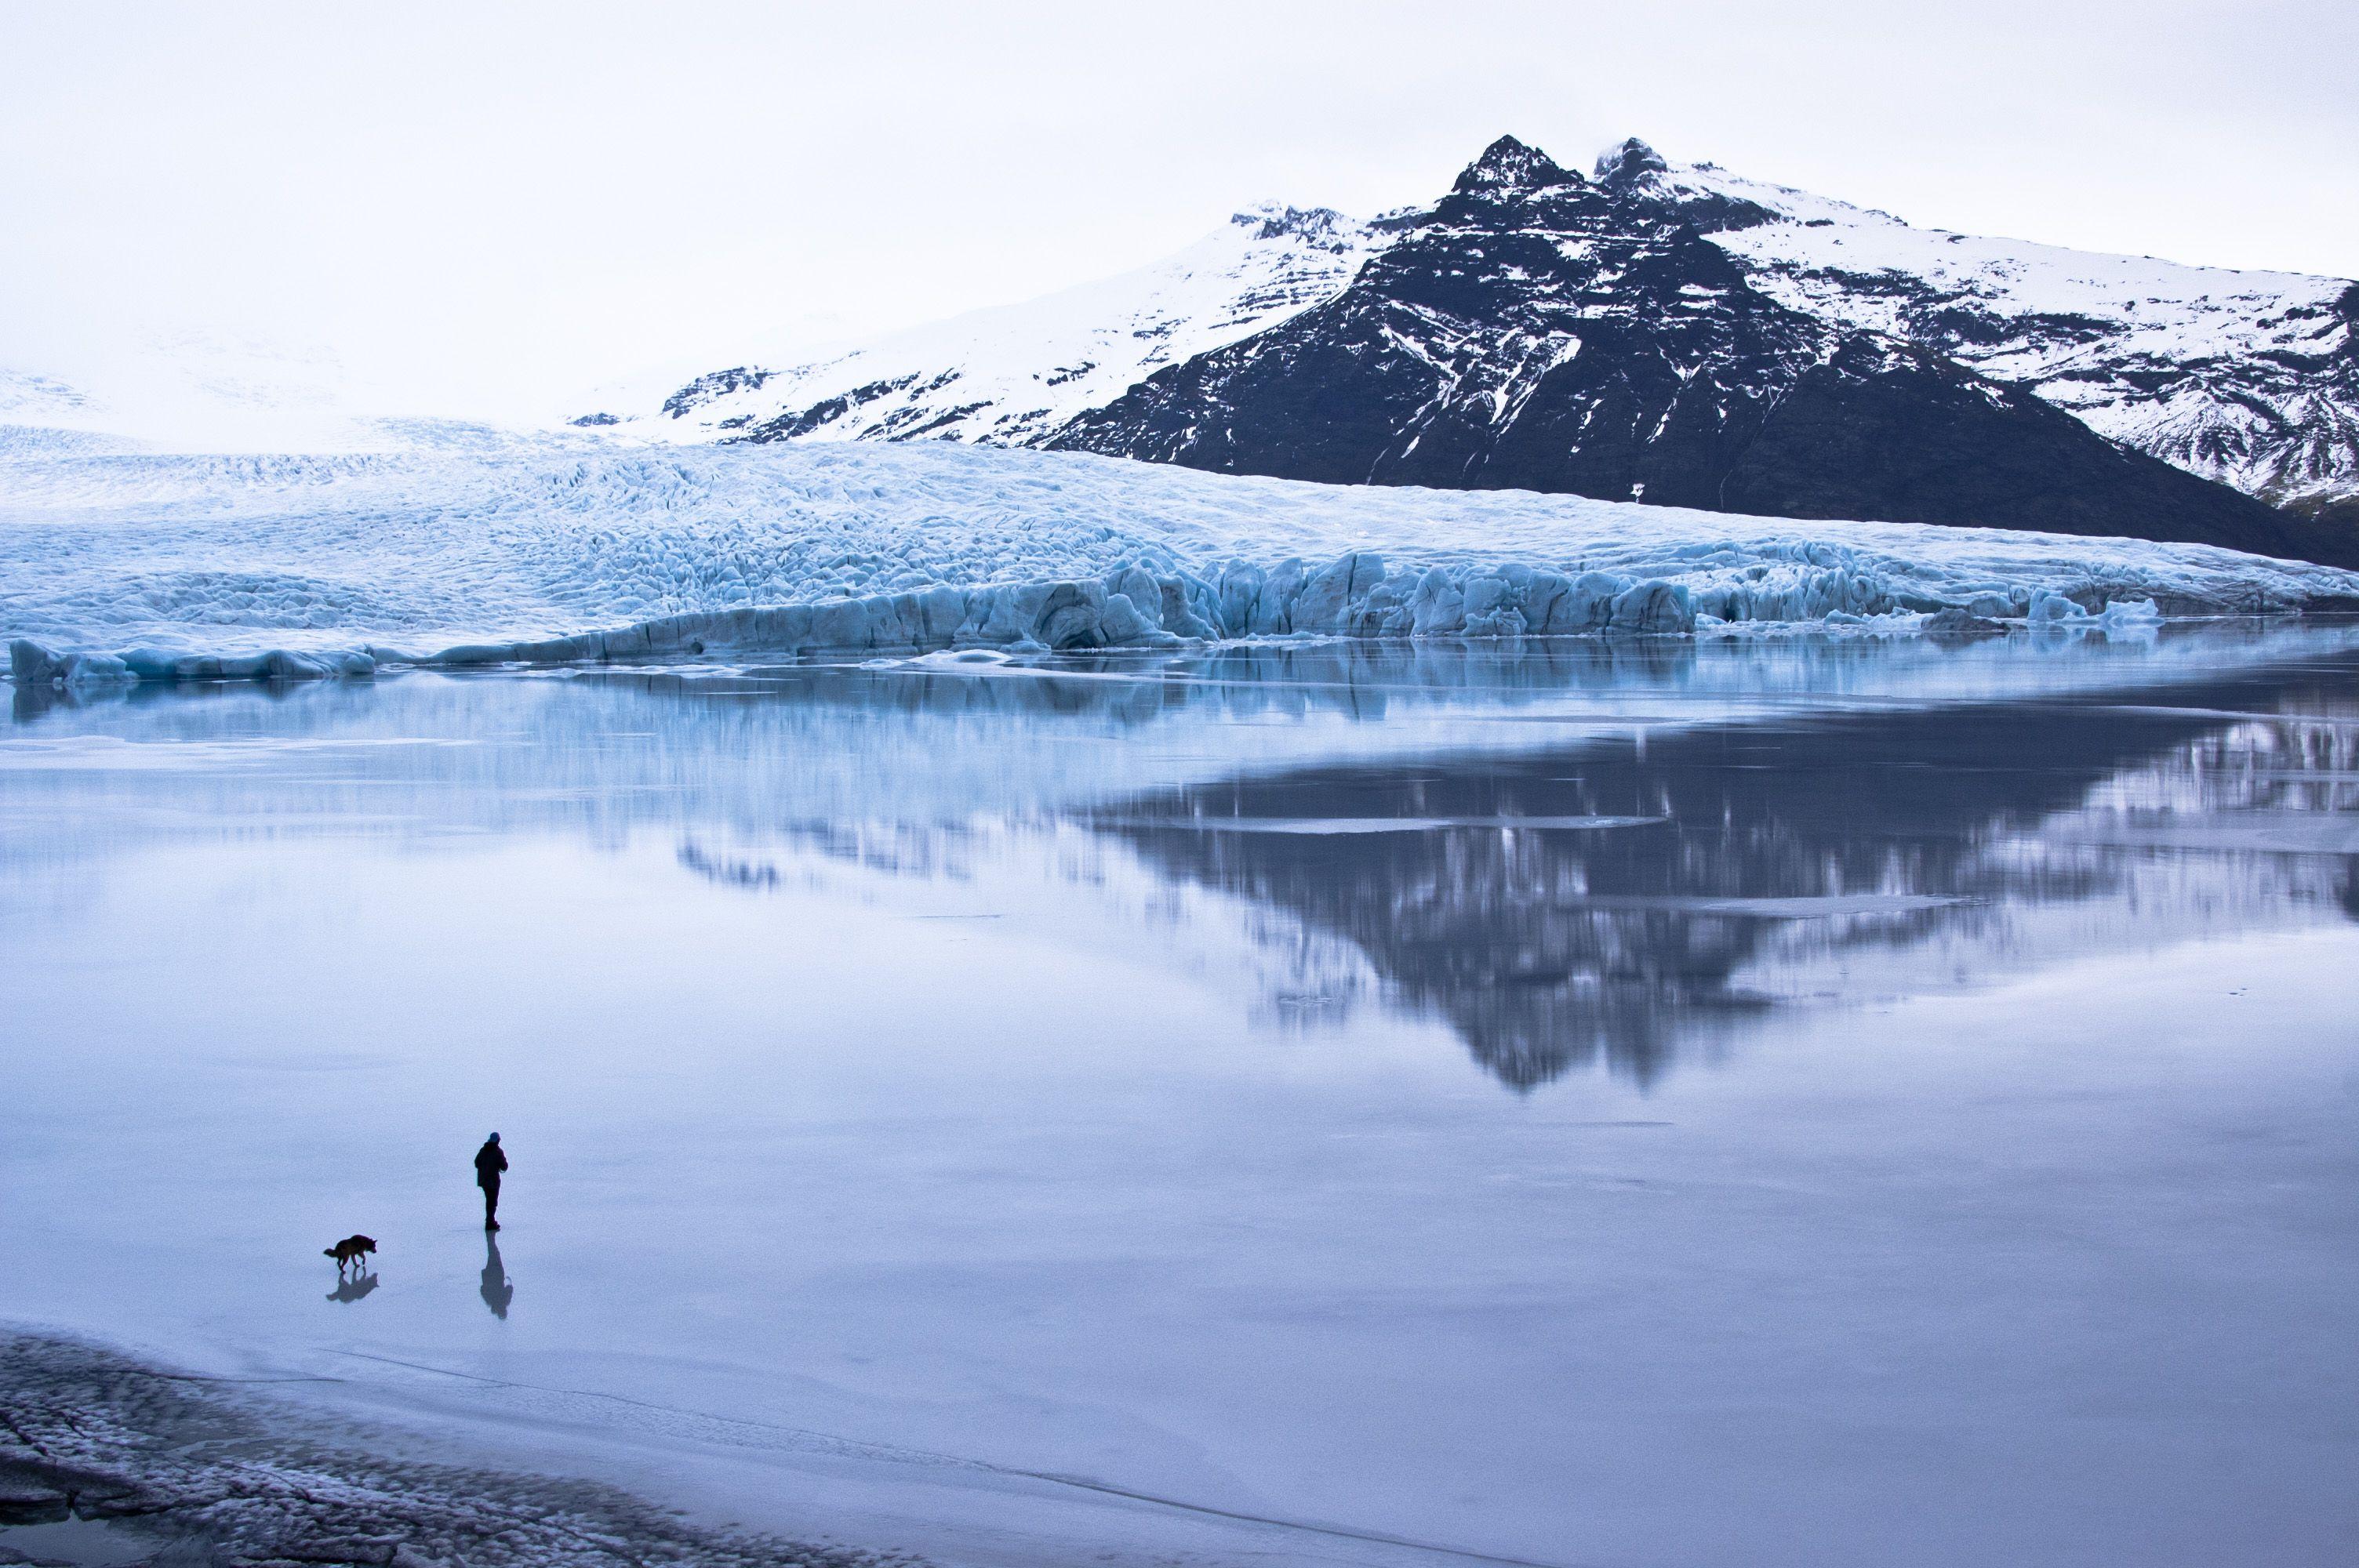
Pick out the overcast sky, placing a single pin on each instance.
(476, 204)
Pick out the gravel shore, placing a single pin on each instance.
(179, 1471)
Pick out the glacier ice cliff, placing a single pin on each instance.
(159, 567)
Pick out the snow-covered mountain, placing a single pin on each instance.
(1012, 377)
(1534, 329)
(2251, 379)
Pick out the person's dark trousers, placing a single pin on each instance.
(492, 1203)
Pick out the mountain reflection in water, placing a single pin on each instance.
(1571, 854)
(1733, 868)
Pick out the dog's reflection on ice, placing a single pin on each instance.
(353, 1288)
(497, 1291)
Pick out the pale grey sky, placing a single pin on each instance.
(476, 205)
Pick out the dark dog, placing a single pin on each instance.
(350, 1250)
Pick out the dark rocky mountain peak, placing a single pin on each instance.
(1534, 330)
(1619, 167)
(1509, 165)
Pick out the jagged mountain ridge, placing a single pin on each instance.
(2244, 377)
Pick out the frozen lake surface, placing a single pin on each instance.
(1803, 1101)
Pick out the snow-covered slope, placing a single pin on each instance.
(185, 391)
(213, 564)
(30, 399)
(2251, 378)
(1008, 377)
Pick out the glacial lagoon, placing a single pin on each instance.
(1806, 1100)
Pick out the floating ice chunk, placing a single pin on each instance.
(2049, 607)
(961, 658)
(1350, 827)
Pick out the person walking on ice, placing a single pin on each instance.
(490, 1161)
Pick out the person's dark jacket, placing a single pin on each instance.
(490, 1161)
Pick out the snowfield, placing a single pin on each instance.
(142, 566)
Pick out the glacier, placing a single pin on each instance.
(141, 565)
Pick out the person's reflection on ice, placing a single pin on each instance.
(497, 1290)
